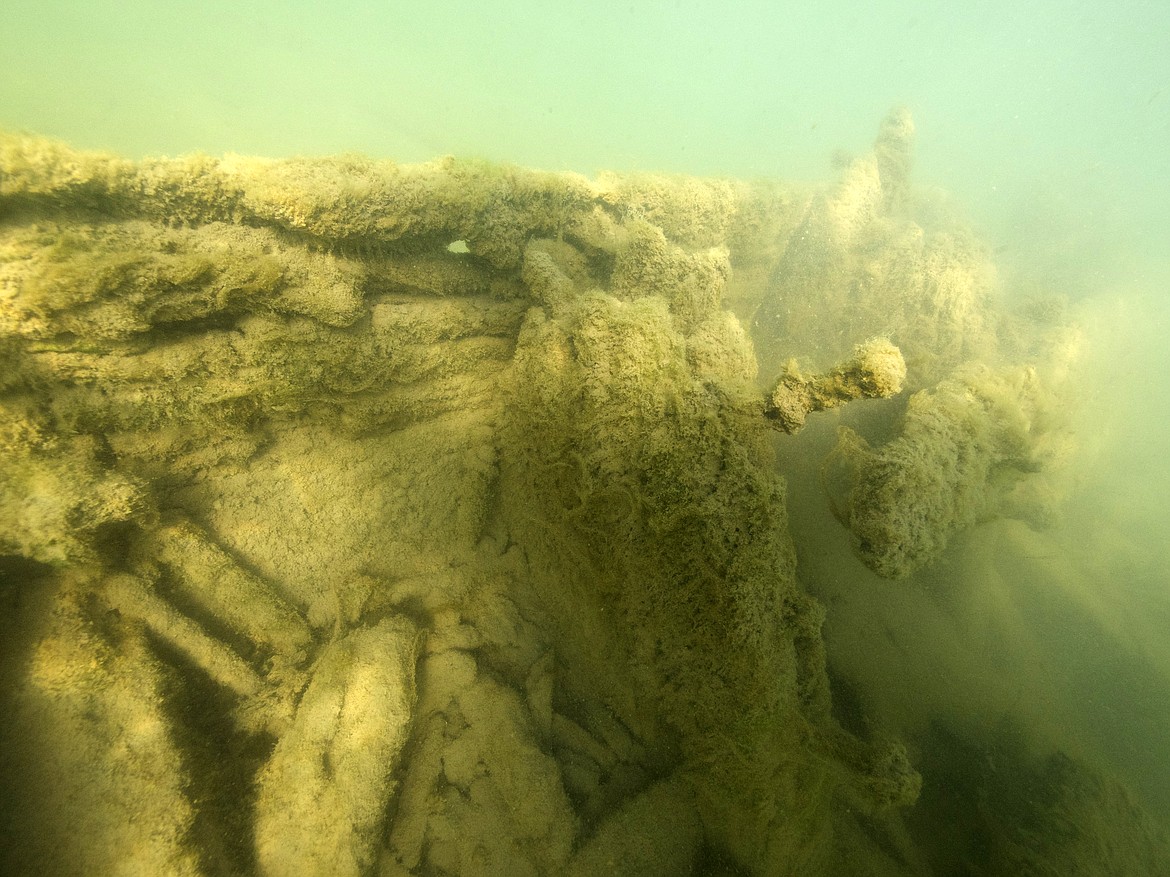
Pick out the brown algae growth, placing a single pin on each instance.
(360, 518)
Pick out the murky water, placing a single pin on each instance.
(1026, 667)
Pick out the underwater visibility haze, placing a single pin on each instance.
(656, 439)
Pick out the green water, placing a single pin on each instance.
(1047, 123)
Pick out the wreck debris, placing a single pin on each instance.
(435, 481)
(963, 448)
(876, 371)
(323, 794)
